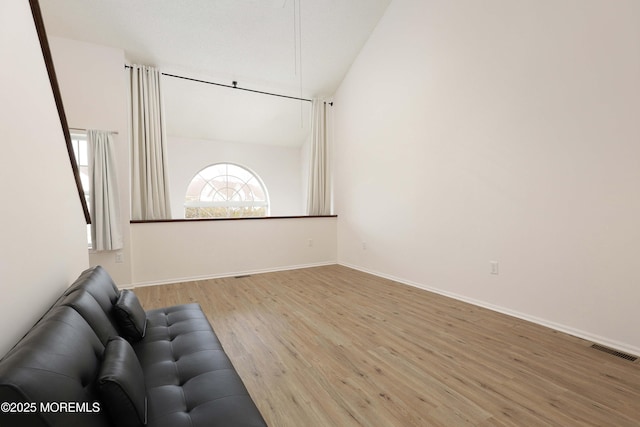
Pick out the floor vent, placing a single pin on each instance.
(242, 276)
(615, 352)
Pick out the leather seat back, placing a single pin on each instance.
(60, 356)
(84, 303)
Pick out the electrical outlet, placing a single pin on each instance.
(310, 242)
(364, 246)
(119, 257)
(494, 267)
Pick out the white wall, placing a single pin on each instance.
(41, 220)
(472, 131)
(93, 83)
(94, 90)
(189, 250)
(278, 167)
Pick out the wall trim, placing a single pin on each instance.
(224, 275)
(513, 313)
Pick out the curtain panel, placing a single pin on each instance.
(319, 191)
(106, 234)
(149, 180)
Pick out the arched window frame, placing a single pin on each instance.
(226, 197)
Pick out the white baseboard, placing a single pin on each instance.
(226, 274)
(543, 322)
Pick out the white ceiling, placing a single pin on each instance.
(257, 43)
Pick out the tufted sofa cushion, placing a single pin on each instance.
(93, 295)
(190, 380)
(57, 361)
(86, 305)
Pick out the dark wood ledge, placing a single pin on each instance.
(228, 219)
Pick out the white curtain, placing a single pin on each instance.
(106, 234)
(319, 196)
(149, 181)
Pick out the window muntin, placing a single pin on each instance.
(226, 190)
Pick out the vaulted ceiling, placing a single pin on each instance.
(300, 48)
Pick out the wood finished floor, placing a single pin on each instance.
(331, 346)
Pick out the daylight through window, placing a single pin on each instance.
(226, 190)
(81, 152)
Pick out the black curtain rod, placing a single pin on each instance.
(234, 85)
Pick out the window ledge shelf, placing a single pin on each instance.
(229, 219)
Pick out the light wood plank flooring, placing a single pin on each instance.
(331, 346)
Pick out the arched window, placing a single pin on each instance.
(226, 190)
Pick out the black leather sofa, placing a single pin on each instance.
(74, 367)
